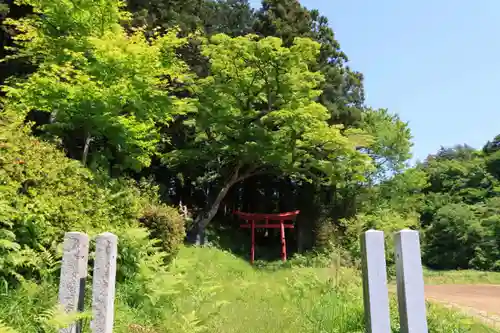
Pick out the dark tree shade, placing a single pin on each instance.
(492, 146)
(233, 17)
(167, 13)
(16, 67)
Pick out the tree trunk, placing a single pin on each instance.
(207, 218)
(53, 116)
(204, 219)
(300, 237)
(86, 148)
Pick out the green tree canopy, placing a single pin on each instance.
(342, 89)
(257, 113)
(109, 93)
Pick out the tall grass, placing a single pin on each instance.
(213, 291)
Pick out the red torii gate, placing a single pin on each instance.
(251, 218)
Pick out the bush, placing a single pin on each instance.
(450, 239)
(464, 236)
(325, 234)
(382, 220)
(43, 194)
(166, 224)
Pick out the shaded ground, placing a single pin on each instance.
(482, 301)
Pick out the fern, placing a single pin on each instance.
(54, 319)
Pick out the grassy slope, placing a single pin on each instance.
(296, 300)
(252, 301)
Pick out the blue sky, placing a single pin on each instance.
(435, 63)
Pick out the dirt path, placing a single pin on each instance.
(482, 301)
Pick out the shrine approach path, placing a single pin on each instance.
(478, 300)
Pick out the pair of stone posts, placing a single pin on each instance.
(409, 280)
(74, 275)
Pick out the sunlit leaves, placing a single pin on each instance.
(260, 102)
(110, 89)
(391, 146)
(61, 24)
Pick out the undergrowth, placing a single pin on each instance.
(43, 194)
(209, 290)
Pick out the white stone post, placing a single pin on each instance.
(375, 292)
(103, 288)
(73, 276)
(410, 282)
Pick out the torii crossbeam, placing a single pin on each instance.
(252, 218)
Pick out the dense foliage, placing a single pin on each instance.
(460, 214)
(43, 194)
(453, 197)
(165, 224)
(224, 108)
(118, 116)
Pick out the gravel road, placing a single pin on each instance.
(482, 301)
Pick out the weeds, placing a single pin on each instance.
(208, 290)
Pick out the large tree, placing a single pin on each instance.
(257, 113)
(342, 94)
